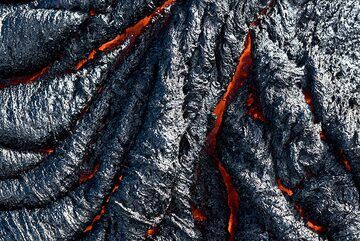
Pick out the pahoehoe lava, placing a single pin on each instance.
(179, 120)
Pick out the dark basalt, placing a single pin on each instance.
(179, 120)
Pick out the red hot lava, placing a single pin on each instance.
(310, 223)
(284, 189)
(26, 80)
(130, 33)
(242, 73)
(339, 152)
(198, 215)
(103, 207)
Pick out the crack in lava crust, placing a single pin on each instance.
(242, 73)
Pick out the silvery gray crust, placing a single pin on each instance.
(179, 120)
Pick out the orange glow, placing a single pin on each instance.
(87, 176)
(316, 228)
(343, 159)
(233, 200)
(284, 189)
(308, 99)
(82, 62)
(242, 73)
(311, 224)
(92, 12)
(130, 33)
(26, 79)
(323, 136)
(198, 215)
(151, 232)
(96, 219)
(254, 108)
(47, 150)
(103, 207)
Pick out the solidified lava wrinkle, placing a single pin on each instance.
(130, 33)
(242, 73)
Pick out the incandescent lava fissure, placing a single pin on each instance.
(242, 73)
(127, 97)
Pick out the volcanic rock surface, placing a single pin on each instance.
(179, 120)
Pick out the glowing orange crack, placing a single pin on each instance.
(130, 33)
(27, 79)
(310, 223)
(84, 177)
(339, 152)
(103, 207)
(198, 214)
(242, 73)
(284, 189)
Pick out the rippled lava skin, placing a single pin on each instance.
(179, 120)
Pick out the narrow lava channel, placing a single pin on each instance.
(132, 33)
(339, 153)
(242, 73)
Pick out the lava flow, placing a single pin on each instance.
(253, 105)
(84, 177)
(151, 232)
(130, 33)
(338, 152)
(103, 207)
(198, 214)
(25, 80)
(284, 189)
(311, 224)
(242, 73)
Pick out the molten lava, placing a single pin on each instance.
(284, 189)
(308, 99)
(46, 151)
(151, 232)
(92, 12)
(254, 107)
(130, 33)
(311, 224)
(198, 215)
(242, 73)
(26, 79)
(88, 176)
(316, 228)
(103, 207)
(323, 136)
(345, 161)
